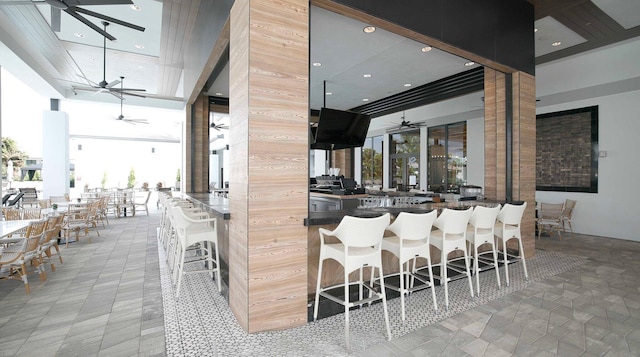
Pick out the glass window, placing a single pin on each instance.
(447, 160)
(405, 160)
(372, 161)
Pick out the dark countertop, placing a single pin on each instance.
(334, 217)
(216, 203)
(220, 205)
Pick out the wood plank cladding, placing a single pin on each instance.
(524, 153)
(269, 111)
(197, 141)
(523, 139)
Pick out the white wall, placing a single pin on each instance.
(610, 79)
(55, 149)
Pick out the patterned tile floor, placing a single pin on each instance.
(583, 299)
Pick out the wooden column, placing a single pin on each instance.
(510, 144)
(342, 159)
(269, 150)
(196, 177)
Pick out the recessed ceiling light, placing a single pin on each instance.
(317, 64)
(365, 100)
(535, 30)
(426, 49)
(328, 93)
(407, 84)
(135, 7)
(369, 29)
(139, 46)
(367, 75)
(556, 44)
(218, 93)
(469, 64)
(78, 35)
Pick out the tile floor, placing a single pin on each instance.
(583, 299)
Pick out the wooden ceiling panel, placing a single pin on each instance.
(587, 20)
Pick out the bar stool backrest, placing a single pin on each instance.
(453, 221)
(413, 226)
(512, 214)
(362, 232)
(484, 217)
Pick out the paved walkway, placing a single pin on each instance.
(106, 300)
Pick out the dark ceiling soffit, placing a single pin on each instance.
(219, 101)
(497, 30)
(450, 87)
(224, 60)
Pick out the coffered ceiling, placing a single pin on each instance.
(154, 59)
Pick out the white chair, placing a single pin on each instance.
(508, 227)
(480, 232)
(141, 202)
(360, 241)
(550, 218)
(410, 241)
(451, 236)
(190, 232)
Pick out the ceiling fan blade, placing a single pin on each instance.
(72, 12)
(109, 85)
(55, 19)
(103, 2)
(109, 19)
(20, 2)
(133, 94)
(117, 95)
(128, 89)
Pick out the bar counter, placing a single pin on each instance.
(219, 207)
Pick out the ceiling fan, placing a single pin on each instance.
(71, 8)
(109, 87)
(405, 125)
(121, 116)
(218, 125)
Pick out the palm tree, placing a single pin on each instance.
(10, 152)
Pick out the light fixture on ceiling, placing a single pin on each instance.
(79, 35)
(369, 29)
(365, 99)
(218, 93)
(556, 44)
(135, 7)
(139, 46)
(469, 64)
(328, 93)
(426, 49)
(407, 84)
(535, 30)
(367, 75)
(317, 64)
